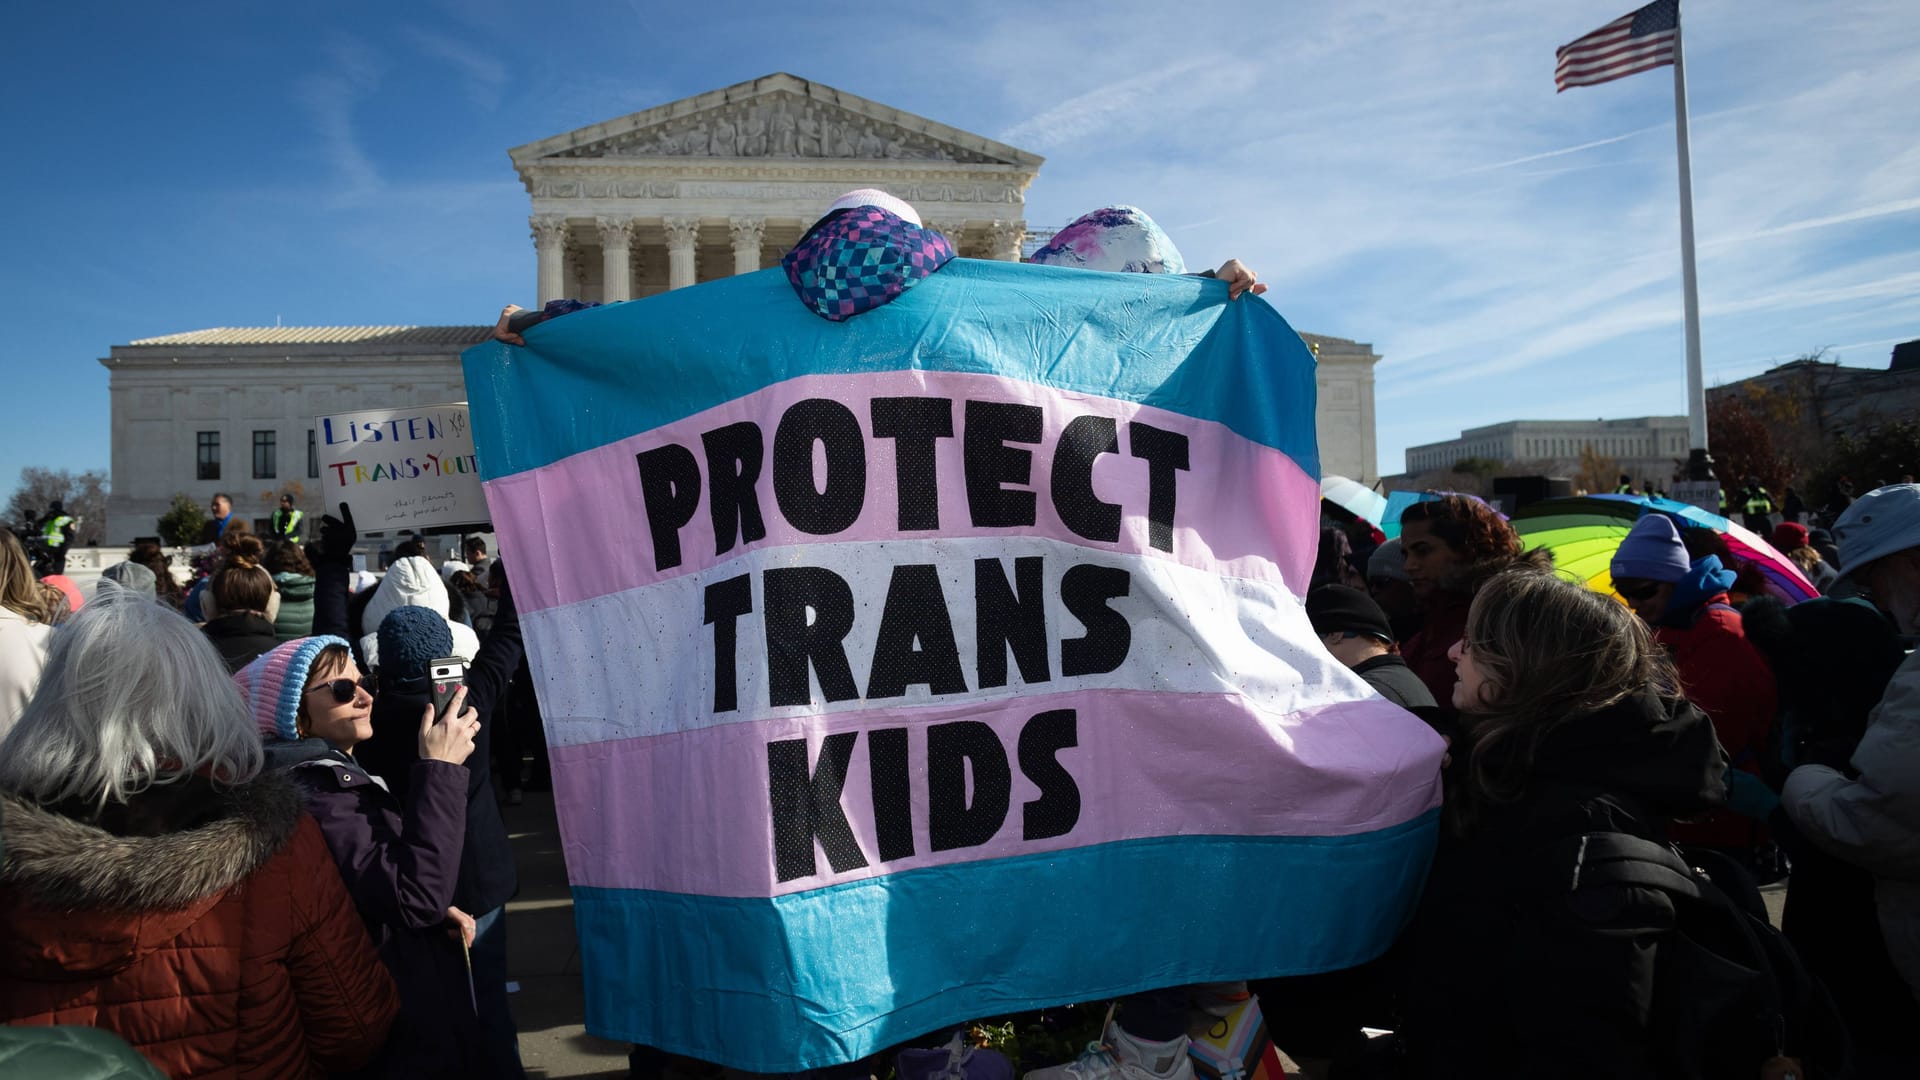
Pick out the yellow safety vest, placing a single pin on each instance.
(54, 532)
(1758, 502)
(292, 522)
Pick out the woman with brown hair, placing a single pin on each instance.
(240, 603)
(293, 580)
(24, 627)
(166, 590)
(1569, 729)
(1450, 546)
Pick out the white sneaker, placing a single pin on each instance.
(1124, 1057)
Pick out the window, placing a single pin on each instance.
(207, 455)
(264, 452)
(313, 457)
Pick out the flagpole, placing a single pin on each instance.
(1699, 463)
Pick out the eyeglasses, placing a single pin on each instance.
(343, 689)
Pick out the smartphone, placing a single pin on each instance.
(446, 673)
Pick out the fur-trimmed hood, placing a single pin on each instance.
(77, 899)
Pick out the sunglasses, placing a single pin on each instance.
(1638, 592)
(343, 689)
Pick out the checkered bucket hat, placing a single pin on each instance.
(861, 257)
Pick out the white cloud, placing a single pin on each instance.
(330, 98)
(483, 75)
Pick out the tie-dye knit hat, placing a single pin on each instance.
(860, 257)
(1120, 239)
(273, 683)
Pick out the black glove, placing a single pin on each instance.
(337, 537)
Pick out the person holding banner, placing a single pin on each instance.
(1569, 732)
(399, 859)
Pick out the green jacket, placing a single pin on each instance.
(70, 1053)
(295, 617)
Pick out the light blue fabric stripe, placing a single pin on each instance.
(829, 976)
(1173, 342)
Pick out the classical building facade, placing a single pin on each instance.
(717, 184)
(723, 183)
(1646, 447)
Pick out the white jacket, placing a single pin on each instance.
(23, 652)
(1874, 822)
(412, 581)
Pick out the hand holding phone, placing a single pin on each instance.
(446, 675)
(447, 726)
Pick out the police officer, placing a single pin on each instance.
(1626, 485)
(286, 520)
(1756, 506)
(56, 528)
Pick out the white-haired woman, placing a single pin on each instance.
(155, 883)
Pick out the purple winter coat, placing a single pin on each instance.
(400, 864)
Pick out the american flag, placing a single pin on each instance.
(1626, 46)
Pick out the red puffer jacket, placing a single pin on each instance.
(1730, 681)
(208, 927)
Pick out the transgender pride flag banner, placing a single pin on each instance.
(944, 662)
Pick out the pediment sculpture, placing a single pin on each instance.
(779, 125)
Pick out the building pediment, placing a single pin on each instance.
(777, 117)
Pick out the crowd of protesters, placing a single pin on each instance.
(246, 832)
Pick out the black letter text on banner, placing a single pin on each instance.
(807, 804)
(670, 487)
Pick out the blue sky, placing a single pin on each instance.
(1401, 173)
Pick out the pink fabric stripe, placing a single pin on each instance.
(577, 529)
(689, 813)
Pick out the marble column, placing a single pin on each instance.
(550, 244)
(616, 259)
(747, 234)
(1003, 240)
(682, 234)
(954, 231)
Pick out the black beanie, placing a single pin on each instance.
(1335, 609)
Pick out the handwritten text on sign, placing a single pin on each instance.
(401, 468)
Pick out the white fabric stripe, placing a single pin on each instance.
(1655, 45)
(1617, 30)
(641, 662)
(1618, 73)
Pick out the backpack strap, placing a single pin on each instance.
(1611, 858)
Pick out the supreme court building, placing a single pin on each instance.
(717, 184)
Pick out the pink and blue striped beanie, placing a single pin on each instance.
(273, 683)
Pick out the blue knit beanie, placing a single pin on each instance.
(1652, 551)
(410, 638)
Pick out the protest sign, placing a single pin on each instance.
(939, 663)
(407, 468)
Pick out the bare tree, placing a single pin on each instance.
(84, 495)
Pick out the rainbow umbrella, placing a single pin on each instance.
(1584, 531)
(1397, 503)
(1355, 498)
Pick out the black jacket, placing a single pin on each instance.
(1503, 974)
(1392, 679)
(400, 862)
(240, 637)
(487, 878)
